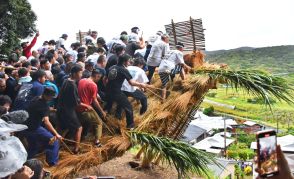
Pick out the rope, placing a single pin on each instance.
(66, 147)
(154, 93)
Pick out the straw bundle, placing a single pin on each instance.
(171, 118)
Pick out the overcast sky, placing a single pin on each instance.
(228, 23)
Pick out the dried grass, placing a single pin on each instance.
(166, 119)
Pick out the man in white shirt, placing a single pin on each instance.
(172, 64)
(61, 42)
(94, 57)
(91, 39)
(157, 52)
(74, 51)
(138, 75)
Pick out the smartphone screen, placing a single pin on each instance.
(267, 155)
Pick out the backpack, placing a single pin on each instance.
(23, 98)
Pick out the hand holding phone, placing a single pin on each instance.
(267, 153)
(284, 170)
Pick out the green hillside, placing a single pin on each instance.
(277, 59)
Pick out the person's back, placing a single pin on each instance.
(171, 59)
(113, 59)
(138, 75)
(86, 90)
(37, 109)
(116, 76)
(157, 52)
(131, 48)
(68, 95)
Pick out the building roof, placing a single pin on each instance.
(192, 132)
(218, 170)
(250, 123)
(208, 123)
(215, 141)
(286, 142)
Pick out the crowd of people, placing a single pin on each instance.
(55, 89)
(70, 90)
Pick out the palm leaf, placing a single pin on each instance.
(186, 159)
(254, 82)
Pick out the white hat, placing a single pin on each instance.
(6, 128)
(12, 155)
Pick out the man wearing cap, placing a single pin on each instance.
(87, 90)
(91, 39)
(157, 52)
(61, 42)
(39, 136)
(171, 64)
(135, 42)
(26, 49)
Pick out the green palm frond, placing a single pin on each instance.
(255, 82)
(185, 158)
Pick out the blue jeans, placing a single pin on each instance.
(39, 139)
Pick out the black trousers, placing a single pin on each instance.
(122, 100)
(151, 70)
(139, 95)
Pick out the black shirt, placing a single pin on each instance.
(116, 76)
(68, 95)
(38, 109)
(131, 48)
(112, 60)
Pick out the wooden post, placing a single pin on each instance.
(225, 137)
(193, 35)
(174, 32)
(80, 36)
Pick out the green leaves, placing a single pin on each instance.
(254, 82)
(17, 21)
(186, 159)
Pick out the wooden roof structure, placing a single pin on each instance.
(190, 33)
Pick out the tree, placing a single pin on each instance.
(17, 21)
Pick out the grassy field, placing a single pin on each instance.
(281, 111)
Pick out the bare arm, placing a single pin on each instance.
(50, 127)
(98, 106)
(134, 83)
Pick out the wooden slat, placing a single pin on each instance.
(183, 31)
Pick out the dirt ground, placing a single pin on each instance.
(119, 167)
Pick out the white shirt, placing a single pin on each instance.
(170, 60)
(93, 58)
(90, 38)
(157, 52)
(138, 75)
(74, 54)
(59, 43)
(133, 37)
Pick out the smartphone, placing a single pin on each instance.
(267, 153)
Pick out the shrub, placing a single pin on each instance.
(243, 155)
(208, 111)
(232, 154)
(212, 95)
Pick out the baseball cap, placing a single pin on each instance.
(64, 35)
(179, 44)
(12, 155)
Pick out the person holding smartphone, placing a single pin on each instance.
(270, 159)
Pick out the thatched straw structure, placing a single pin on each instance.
(171, 118)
